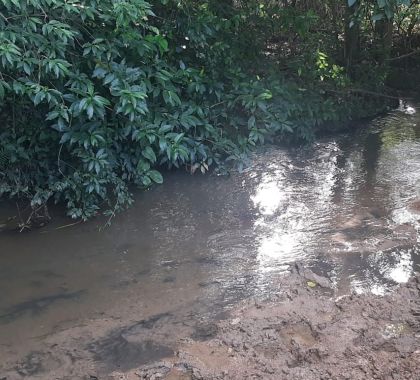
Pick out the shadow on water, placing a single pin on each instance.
(36, 306)
(190, 249)
(371, 155)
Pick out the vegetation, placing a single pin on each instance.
(96, 95)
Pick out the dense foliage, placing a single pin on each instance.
(96, 95)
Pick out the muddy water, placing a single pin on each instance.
(190, 249)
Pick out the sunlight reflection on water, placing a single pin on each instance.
(344, 199)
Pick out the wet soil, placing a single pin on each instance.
(305, 332)
(302, 331)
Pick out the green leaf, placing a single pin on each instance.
(162, 145)
(155, 176)
(178, 137)
(143, 166)
(89, 111)
(163, 44)
(165, 128)
(146, 180)
(171, 98)
(39, 97)
(149, 154)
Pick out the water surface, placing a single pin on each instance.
(191, 248)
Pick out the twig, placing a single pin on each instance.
(367, 92)
(18, 210)
(26, 224)
(218, 104)
(69, 225)
(58, 160)
(4, 17)
(404, 55)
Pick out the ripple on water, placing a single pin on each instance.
(345, 206)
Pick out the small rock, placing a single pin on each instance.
(312, 277)
(235, 321)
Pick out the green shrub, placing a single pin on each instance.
(97, 95)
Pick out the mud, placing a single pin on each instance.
(302, 331)
(305, 333)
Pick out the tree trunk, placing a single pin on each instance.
(351, 36)
(384, 29)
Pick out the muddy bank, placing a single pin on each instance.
(302, 330)
(305, 332)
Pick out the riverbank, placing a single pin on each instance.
(305, 332)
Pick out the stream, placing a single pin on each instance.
(85, 299)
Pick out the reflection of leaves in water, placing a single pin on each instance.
(36, 306)
(396, 131)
